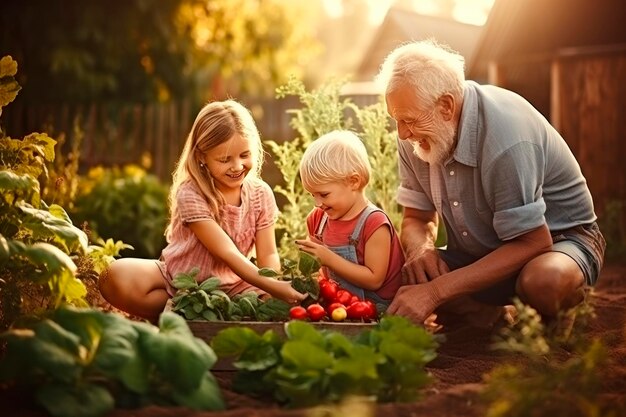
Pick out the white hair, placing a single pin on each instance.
(430, 68)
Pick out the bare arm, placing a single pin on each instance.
(418, 235)
(369, 276)
(266, 252)
(418, 301)
(219, 244)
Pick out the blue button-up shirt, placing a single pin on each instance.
(510, 173)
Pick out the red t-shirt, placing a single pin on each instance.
(337, 233)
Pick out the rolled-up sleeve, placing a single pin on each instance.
(516, 221)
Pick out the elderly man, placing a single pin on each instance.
(517, 210)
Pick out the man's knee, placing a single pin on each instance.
(550, 283)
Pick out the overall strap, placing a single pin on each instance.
(354, 237)
(320, 227)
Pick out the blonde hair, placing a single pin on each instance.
(432, 69)
(334, 157)
(215, 124)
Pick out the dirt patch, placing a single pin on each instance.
(458, 372)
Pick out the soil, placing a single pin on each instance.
(463, 359)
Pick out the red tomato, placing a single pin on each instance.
(316, 312)
(328, 290)
(344, 297)
(332, 307)
(372, 314)
(358, 310)
(298, 313)
(354, 299)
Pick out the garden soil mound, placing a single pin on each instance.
(463, 359)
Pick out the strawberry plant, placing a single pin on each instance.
(85, 363)
(312, 366)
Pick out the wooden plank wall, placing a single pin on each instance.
(589, 109)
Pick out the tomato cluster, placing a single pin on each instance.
(337, 304)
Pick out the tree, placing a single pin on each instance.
(150, 50)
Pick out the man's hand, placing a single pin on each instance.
(415, 302)
(423, 266)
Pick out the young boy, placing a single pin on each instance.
(354, 240)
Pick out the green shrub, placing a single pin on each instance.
(36, 239)
(85, 363)
(557, 370)
(124, 204)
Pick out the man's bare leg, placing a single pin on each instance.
(550, 283)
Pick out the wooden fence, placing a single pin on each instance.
(151, 135)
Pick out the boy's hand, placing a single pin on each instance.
(315, 248)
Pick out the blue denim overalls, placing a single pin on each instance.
(348, 252)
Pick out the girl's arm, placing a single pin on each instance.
(266, 252)
(369, 276)
(220, 245)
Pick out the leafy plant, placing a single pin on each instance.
(551, 380)
(124, 204)
(205, 301)
(312, 367)
(36, 240)
(82, 362)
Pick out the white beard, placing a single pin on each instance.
(441, 144)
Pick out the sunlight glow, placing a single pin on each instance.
(473, 12)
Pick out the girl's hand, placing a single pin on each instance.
(316, 249)
(284, 291)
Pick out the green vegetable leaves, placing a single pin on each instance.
(205, 301)
(84, 362)
(312, 367)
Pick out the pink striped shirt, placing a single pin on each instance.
(184, 251)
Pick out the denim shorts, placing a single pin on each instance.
(584, 244)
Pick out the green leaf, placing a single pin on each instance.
(268, 272)
(49, 255)
(308, 264)
(184, 281)
(210, 284)
(179, 357)
(263, 356)
(305, 355)
(44, 224)
(206, 397)
(273, 309)
(233, 341)
(84, 400)
(299, 330)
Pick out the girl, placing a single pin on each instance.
(354, 240)
(220, 210)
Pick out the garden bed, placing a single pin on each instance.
(463, 360)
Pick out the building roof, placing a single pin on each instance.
(532, 29)
(402, 25)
